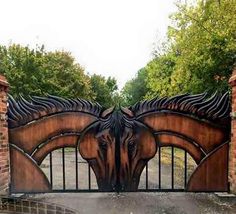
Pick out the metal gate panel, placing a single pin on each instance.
(117, 144)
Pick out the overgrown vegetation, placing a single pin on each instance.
(39, 72)
(135, 89)
(198, 55)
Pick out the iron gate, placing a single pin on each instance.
(118, 145)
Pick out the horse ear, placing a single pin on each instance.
(127, 111)
(107, 112)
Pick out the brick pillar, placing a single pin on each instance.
(4, 146)
(232, 150)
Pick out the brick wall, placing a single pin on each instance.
(232, 151)
(4, 147)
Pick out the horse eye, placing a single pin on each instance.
(131, 142)
(131, 145)
(103, 144)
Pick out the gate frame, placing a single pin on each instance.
(4, 143)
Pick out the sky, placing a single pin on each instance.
(107, 37)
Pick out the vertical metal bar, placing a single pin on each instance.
(146, 175)
(50, 165)
(159, 166)
(76, 168)
(63, 167)
(118, 186)
(185, 169)
(172, 167)
(89, 177)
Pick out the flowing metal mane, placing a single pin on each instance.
(23, 111)
(215, 107)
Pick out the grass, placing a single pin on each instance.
(178, 162)
(178, 158)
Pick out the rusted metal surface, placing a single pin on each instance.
(118, 143)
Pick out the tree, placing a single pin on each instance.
(159, 72)
(104, 89)
(22, 68)
(135, 89)
(37, 72)
(200, 53)
(65, 76)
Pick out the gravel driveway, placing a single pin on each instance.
(130, 203)
(153, 181)
(142, 203)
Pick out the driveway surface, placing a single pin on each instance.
(142, 203)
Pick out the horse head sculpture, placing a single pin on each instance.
(137, 147)
(97, 146)
(117, 148)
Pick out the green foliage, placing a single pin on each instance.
(159, 72)
(135, 89)
(200, 52)
(38, 72)
(64, 77)
(104, 89)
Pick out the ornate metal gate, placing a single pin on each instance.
(118, 143)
